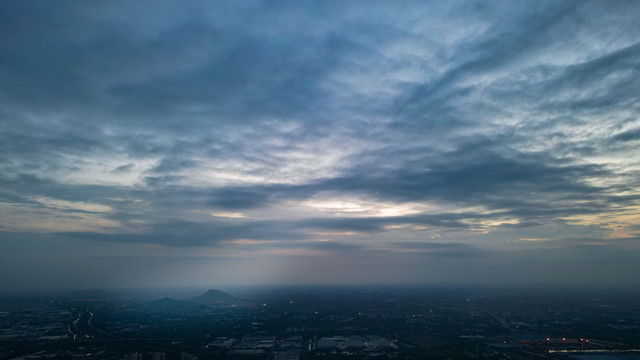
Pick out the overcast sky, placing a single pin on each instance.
(241, 142)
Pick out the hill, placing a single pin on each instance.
(215, 296)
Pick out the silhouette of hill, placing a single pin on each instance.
(215, 296)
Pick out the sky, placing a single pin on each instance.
(174, 143)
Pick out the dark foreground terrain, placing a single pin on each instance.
(302, 322)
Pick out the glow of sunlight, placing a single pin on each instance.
(230, 215)
(622, 222)
(361, 208)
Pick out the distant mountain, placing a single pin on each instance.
(215, 297)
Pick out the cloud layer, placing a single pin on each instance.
(312, 142)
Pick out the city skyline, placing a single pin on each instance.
(235, 143)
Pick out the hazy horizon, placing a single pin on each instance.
(237, 143)
(247, 292)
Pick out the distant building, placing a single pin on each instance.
(329, 343)
(606, 356)
(378, 342)
(158, 356)
(221, 343)
(354, 343)
(243, 353)
(257, 342)
(287, 355)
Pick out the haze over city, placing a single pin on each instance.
(153, 144)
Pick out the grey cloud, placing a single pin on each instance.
(630, 135)
(175, 232)
(123, 168)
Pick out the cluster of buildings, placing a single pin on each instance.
(257, 346)
(34, 324)
(353, 344)
(157, 356)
